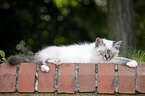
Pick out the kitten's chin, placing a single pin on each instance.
(107, 59)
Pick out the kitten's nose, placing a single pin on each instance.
(107, 57)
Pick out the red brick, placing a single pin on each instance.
(66, 82)
(7, 78)
(87, 77)
(126, 79)
(141, 78)
(26, 77)
(46, 79)
(106, 82)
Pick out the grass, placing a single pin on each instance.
(138, 55)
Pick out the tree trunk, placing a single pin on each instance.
(121, 23)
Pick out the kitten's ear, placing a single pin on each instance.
(98, 42)
(117, 44)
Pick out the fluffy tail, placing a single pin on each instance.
(14, 60)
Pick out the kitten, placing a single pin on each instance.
(101, 51)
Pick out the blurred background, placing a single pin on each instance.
(29, 25)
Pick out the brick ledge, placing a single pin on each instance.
(73, 78)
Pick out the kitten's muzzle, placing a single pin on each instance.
(107, 57)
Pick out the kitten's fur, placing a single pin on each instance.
(101, 51)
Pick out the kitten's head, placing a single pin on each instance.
(107, 49)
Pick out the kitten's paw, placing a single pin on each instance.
(44, 68)
(57, 61)
(132, 63)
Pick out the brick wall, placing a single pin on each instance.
(73, 78)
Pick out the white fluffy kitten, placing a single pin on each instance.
(101, 51)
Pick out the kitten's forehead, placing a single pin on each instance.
(108, 43)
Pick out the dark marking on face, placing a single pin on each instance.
(107, 54)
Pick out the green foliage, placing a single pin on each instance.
(139, 15)
(63, 5)
(138, 55)
(2, 54)
(55, 22)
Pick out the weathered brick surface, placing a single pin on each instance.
(87, 78)
(141, 78)
(66, 84)
(66, 80)
(26, 77)
(106, 82)
(126, 79)
(7, 78)
(46, 79)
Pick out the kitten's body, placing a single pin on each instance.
(83, 53)
(101, 51)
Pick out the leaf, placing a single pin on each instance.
(2, 53)
(5, 60)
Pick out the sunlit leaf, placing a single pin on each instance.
(2, 53)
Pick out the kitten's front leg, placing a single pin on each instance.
(122, 60)
(132, 63)
(57, 61)
(44, 67)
